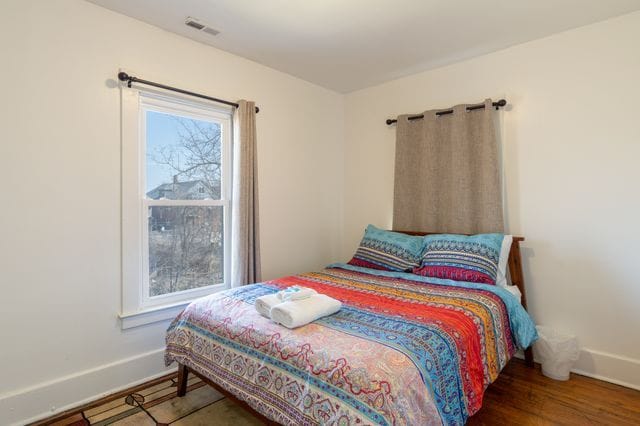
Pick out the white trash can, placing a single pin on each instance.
(557, 352)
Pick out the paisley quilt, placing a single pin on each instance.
(404, 349)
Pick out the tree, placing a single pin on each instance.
(198, 157)
(186, 242)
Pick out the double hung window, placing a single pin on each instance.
(176, 186)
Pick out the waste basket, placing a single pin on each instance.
(556, 352)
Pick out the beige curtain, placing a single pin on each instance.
(245, 241)
(447, 173)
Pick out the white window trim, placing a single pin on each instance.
(138, 307)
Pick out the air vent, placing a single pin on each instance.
(211, 31)
(194, 23)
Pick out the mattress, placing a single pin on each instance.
(404, 349)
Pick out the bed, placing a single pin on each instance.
(404, 349)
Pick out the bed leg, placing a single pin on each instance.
(183, 375)
(528, 357)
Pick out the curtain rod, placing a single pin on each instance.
(498, 104)
(123, 76)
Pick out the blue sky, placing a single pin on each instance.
(162, 131)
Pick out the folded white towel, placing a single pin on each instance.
(296, 293)
(296, 313)
(265, 303)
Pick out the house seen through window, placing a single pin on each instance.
(184, 201)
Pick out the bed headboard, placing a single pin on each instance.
(515, 263)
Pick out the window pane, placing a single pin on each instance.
(185, 248)
(183, 158)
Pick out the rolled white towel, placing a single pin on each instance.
(265, 303)
(296, 313)
(296, 293)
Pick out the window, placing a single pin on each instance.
(176, 201)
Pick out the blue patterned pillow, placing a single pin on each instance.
(391, 251)
(462, 258)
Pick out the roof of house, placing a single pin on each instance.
(178, 191)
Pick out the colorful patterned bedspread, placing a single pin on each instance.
(402, 350)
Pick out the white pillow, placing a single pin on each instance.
(501, 278)
(513, 289)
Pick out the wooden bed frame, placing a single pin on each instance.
(517, 279)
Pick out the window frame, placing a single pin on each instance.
(138, 307)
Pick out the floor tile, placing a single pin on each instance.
(221, 413)
(176, 408)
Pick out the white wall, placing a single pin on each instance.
(571, 146)
(60, 340)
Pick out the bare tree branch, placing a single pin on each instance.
(187, 247)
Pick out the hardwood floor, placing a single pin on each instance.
(523, 396)
(520, 396)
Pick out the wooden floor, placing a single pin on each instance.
(520, 396)
(523, 396)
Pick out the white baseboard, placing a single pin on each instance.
(612, 368)
(48, 398)
(616, 369)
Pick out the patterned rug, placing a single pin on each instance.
(159, 405)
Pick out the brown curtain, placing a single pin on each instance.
(447, 173)
(245, 241)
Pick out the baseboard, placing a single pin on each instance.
(48, 398)
(616, 369)
(612, 368)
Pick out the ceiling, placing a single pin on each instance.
(345, 45)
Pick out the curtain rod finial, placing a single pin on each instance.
(123, 76)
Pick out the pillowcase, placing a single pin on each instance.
(462, 258)
(387, 250)
(502, 263)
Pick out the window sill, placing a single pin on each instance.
(168, 310)
(151, 315)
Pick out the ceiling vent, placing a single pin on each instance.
(194, 23)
